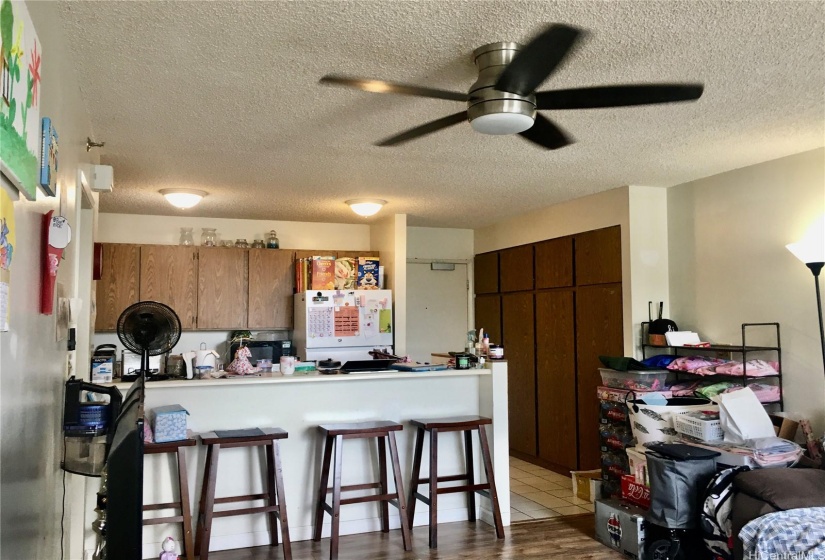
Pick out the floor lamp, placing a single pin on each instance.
(811, 251)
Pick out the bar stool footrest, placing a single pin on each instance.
(247, 511)
(247, 498)
(162, 520)
(450, 478)
(168, 505)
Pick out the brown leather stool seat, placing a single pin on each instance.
(466, 424)
(185, 517)
(334, 435)
(273, 497)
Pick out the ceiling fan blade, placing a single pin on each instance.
(546, 134)
(380, 86)
(617, 96)
(533, 64)
(424, 129)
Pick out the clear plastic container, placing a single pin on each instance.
(653, 380)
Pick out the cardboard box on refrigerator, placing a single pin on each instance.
(621, 526)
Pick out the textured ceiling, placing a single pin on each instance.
(224, 96)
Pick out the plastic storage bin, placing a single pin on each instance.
(653, 380)
(699, 425)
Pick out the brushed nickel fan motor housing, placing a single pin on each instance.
(486, 100)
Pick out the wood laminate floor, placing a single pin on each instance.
(563, 538)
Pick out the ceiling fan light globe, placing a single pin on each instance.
(501, 123)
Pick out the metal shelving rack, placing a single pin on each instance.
(744, 349)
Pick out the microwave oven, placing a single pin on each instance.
(264, 350)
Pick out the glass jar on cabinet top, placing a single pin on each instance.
(209, 237)
(258, 244)
(272, 240)
(241, 243)
(186, 236)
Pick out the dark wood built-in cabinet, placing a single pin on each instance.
(556, 305)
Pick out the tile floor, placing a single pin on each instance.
(537, 493)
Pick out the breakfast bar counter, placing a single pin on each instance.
(300, 402)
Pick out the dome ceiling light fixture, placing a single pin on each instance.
(366, 206)
(183, 198)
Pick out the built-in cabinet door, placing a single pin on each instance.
(519, 349)
(169, 274)
(271, 281)
(488, 316)
(485, 273)
(222, 288)
(118, 287)
(556, 378)
(599, 256)
(554, 263)
(599, 332)
(516, 269)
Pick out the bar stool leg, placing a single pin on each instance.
(468, 461)
(185, 507)
(384, 489)
(322, 490)
(275, 451)
(271, 497)
(491, 479)
(399, 493)
(207, 502)
(336, 496)
(433, 488)
(416, 474)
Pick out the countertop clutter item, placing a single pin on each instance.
(103, 363)
(169, 423)
(240, 364)
(272, 240)
(209, 237)
(186, 236)
(241, 243)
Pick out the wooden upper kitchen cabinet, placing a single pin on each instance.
(599, 256)
(222, 288)
(169, 274)
(271, 280)
(517, 312)
(516, 268)
(485, 273)
(118, 287)
(599, 332)
(554, 263)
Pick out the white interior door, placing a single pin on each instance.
(437, 318)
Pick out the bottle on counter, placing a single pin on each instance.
(485, 345)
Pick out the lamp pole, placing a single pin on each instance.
(816, 268)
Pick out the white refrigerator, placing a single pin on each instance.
(342, 325)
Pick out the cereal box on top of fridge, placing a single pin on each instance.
(368, 273)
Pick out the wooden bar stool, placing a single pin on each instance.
(335, 434)
(185, 517)
(466, 424)
(273, 495)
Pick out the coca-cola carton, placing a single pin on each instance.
(635, 493)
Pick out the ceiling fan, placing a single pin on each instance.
(504, 99)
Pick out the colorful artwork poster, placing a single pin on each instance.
(48, 158)
(8, 243)
(20, 127)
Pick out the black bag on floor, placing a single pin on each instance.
(678, 474)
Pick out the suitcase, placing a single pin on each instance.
(621, 526)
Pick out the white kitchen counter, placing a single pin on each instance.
(299, 403)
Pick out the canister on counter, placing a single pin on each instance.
(462, 361)
(495, 352)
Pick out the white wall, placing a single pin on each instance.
(605, 209)
(165, 230)
(439, 243)
(729, 265)
(31, 361)
(648, 254)
(389, 238)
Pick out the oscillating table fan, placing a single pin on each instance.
(148, 328)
